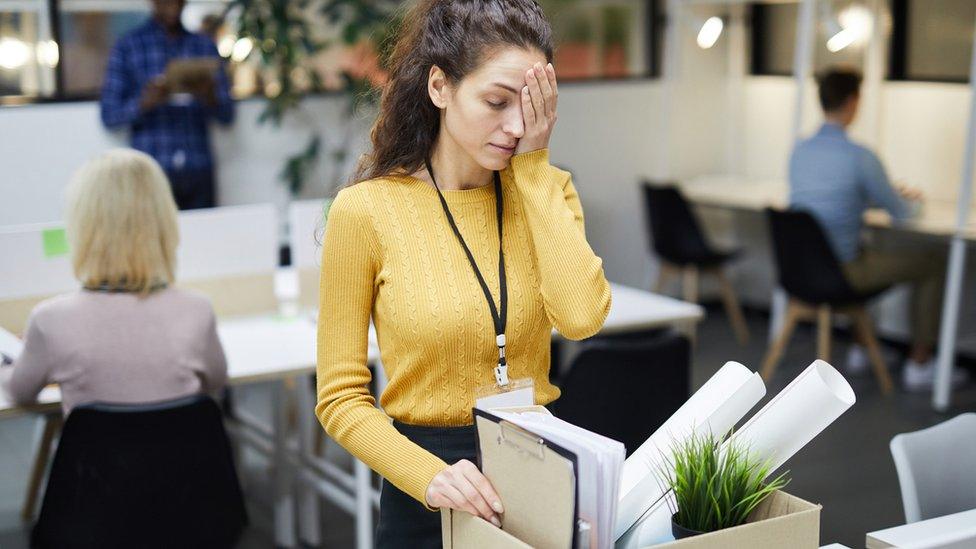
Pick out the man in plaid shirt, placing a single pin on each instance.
(171, 129)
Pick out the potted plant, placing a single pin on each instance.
(316, 46)
(715, 485)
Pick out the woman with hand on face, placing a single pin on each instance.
(464, 246)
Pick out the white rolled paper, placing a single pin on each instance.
(800, 412)
(716, 407)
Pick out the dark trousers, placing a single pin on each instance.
(875, 269)
(404, 521)
(193, 189)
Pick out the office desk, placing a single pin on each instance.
(956, 531)
(268, 348)
(937, 218)
(632, 309)
(258, 348)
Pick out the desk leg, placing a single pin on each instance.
(777, 312)
(284, 504)
(364, 506)
(309, 528)
(42, 453)
(941, 390)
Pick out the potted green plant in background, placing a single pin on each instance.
(715, 486)
(315, 46)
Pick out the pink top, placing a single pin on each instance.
(120, 347)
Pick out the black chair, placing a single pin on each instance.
(156, 475)
(812, 276)
(625, 391)
(681, 246)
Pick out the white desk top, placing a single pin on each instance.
(257, 348)
(634, 309)
(267, 347)
(754, 194)
(951, 531)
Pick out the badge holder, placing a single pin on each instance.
(504, 392)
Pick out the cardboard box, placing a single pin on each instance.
(781, 520)
(537, 486)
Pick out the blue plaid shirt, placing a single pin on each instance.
(175, 135)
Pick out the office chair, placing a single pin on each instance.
(935, 468)
(812, 276)
(680, 244)
(625, 391)
(148, 475)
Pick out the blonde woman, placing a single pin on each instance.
(126, 336)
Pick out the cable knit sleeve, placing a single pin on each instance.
(346, 408)
(574, 289)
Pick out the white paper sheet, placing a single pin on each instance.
(716, 407)
(801, 411)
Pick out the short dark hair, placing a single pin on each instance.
(836, 86)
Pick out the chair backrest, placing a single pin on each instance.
(935, 468)
(675, 231)
(626, 390)
(807, 266)
(157, 475)
(307, 227)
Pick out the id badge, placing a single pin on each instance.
(518, 392)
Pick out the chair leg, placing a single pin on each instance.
(862, 324)
(663, 277)
(732, 308)
(823, 333)
(52, 424)
(689, 284)
(793, 313)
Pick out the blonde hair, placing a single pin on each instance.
(121, 222)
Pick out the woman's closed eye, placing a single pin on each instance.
(497, 104)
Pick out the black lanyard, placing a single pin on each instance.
(499, 315)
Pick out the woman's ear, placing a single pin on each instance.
(438, 87)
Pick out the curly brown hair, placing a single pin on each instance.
(457, 36)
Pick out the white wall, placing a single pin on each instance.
(920, 139)
(43, 144)
(611, 136)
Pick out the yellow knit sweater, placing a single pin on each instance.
(389, 253)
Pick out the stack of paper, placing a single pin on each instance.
(599, 461)
(715, 408)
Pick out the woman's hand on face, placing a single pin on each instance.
(462, 486)
(539, 97)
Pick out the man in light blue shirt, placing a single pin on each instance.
(836, 180)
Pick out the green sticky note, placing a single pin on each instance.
(55, 242)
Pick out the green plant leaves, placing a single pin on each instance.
(716, 486)
(287, 36)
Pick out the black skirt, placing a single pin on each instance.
(404, 521)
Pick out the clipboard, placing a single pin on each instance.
(536, 480)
